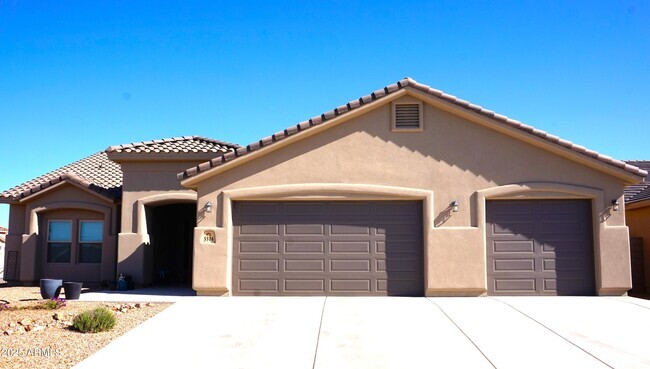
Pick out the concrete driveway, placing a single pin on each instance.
(358, 332)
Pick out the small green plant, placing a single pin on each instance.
(53, 304)
(99, 320)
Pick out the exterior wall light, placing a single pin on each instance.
(615, 205)
(208, 207)
(454, 206)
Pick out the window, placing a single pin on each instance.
(90, 241)
(87, 248)
(407, 116)
(59, 241)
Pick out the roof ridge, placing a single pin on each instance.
(215, 141)
(149, 142)
(154, 146)
(387, 90)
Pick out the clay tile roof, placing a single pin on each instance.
(95, 172)
(184, 144)
(639, 191)
(379, 94)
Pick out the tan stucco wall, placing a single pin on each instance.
(452, 159)
(639, 222)
(146, 183)
(27, 230)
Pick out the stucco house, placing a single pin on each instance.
(406, 191)
(637, 214)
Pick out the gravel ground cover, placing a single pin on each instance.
(44, 339)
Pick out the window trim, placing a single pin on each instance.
(407, 101)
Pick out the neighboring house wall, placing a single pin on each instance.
(146, 183)
(2, 254)
(452, 159)
(27, 238)
(638, 219)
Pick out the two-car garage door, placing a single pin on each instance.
(328, 248)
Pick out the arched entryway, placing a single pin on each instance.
(170, 227)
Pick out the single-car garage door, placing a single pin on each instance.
(328, 248)
(540, 247)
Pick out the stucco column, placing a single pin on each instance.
(132, 255)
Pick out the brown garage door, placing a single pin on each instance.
(540, 247)
(327, 248)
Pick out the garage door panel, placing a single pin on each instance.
(526, 264)
(406, 228)
(353, 247)
(350, 285)
(348, 257)
(350, 265)
(300, 229)
(512, 228)
(304, 265)
(396, 265)
(511, 285)
(552, 256)
(304, 285)
(302, 208)
(304, 247)
(258, 247)
(259, 285)
(399, 247)
(261, 229)
(567, 264)
(343, 210)
(564, 246)
(564, 286)
(517, 246)
(265, 265)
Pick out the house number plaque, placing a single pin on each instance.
(208, 237)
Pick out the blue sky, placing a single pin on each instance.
(76, 77)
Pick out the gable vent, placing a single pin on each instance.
(407, 116)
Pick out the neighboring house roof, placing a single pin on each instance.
(184, 144)
(95, 172)
(104, 176)
(388, 90)
(640, 191)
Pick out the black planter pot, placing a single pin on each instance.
(51, 288)
(72, 290)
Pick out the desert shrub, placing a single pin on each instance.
(99, 320)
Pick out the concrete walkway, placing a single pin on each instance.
(358, 332)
